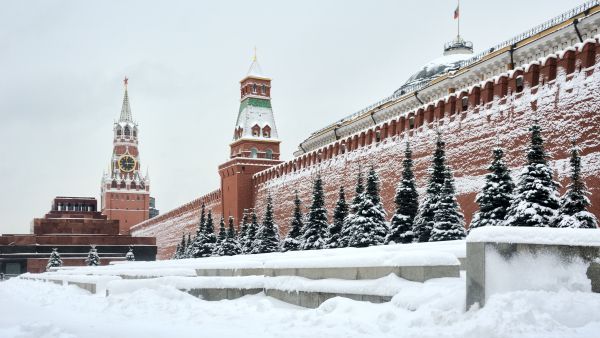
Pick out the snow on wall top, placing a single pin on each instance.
(534, 235)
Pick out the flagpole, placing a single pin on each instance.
(458, 18)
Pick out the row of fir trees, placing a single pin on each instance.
(533, 201)
(92, 259)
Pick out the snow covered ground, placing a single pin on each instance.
(430, 309)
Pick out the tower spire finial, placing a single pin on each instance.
(254, 56)
(125, 109)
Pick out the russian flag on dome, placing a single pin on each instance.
(456, 12)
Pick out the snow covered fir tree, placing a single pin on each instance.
(407, 204)
(130, 256)
(229, 245)
(187, 252)
(267, 236)
(367, 224)
(314, 234)
(251, 233)
(180, 252)
(356, 200)
(293, 239)
(340, 213)
(536, 200)
(574, 203)
(425, 218)
(222, 231)
(449, 223)
(92, 258)
(54, 261)
(496, 194)
(204, 243)
(243, 233)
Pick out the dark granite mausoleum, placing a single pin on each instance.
(72, 226)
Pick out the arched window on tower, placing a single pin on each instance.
(118, 131)
(269, 154)
(253, 153)
(253, 88)
(256, 130)
(263, 89)
(134, 132)
(127, 131)
(266, 131)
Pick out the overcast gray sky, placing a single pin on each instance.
(62, 65)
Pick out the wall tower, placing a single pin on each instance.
(255, 145)
(125, 192)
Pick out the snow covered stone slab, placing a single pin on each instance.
(412, 273)
(193, 285)
(92, 283)
(533, 235)
(508, 259)
(295, 290)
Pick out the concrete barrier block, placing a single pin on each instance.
(352, 296)
(412, 273)
(311, 273)
(311, 300)
(376, 299)
(284, 296)
(440, 271)
(375, 272)
(225, 272)
(250, 272)
(593, 274)
(281, 272)
(91, 287)
(475, 267)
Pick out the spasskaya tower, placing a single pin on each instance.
(125, 192)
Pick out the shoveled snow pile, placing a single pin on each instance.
(431, 309)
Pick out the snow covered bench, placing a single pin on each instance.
(502, 259)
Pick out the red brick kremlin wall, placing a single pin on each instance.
(561, 94)
(168, 227)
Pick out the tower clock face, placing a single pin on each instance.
(127, 163)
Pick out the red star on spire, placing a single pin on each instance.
(125, 81)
